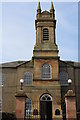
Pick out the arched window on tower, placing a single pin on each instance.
(45, 34)
(63, 78)
(28, 78)
(46, 71)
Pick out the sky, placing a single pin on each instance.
(19, 34)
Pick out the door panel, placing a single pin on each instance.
(46, 110)
(42, 109)
(49, 110)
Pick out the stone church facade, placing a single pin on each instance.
(45, 75)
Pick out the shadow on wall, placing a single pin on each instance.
(8, 116)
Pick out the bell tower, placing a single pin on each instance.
(45, 24)
(45, 57)
(45, 49)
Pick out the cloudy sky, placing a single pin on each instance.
(19, 35)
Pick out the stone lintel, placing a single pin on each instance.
(37, 79)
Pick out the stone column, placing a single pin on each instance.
(70, 100)
(20, 105)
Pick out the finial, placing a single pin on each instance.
(52, 6)
(52, 11)
(39, 7)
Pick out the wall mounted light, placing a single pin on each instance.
(21, 82)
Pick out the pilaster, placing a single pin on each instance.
(20, 105)
(70, 100)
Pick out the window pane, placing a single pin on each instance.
(46, 72)
(28, 107)
(28, 78)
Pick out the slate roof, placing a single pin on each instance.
(69, 63)
(29, 63)
(13, 64)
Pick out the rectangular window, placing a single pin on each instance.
(28, 78)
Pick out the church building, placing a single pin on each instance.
(44, 79)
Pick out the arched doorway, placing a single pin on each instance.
(45, 107)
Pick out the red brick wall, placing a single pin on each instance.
(70, 108)
(20, 107)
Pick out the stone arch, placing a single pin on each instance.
(57, 112)
(46, 97)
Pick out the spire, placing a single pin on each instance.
(52, 6)
(52, 11)
(38, 8)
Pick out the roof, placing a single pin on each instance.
(69, 63)
(14, 64)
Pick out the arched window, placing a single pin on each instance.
(57, 112)
(28, 107)
(63, 78)
(35, 112)
(28, 78)
(46, 71)
(45, 34)
(46, 97)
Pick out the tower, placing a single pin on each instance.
(46, 70)
(45, 30)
